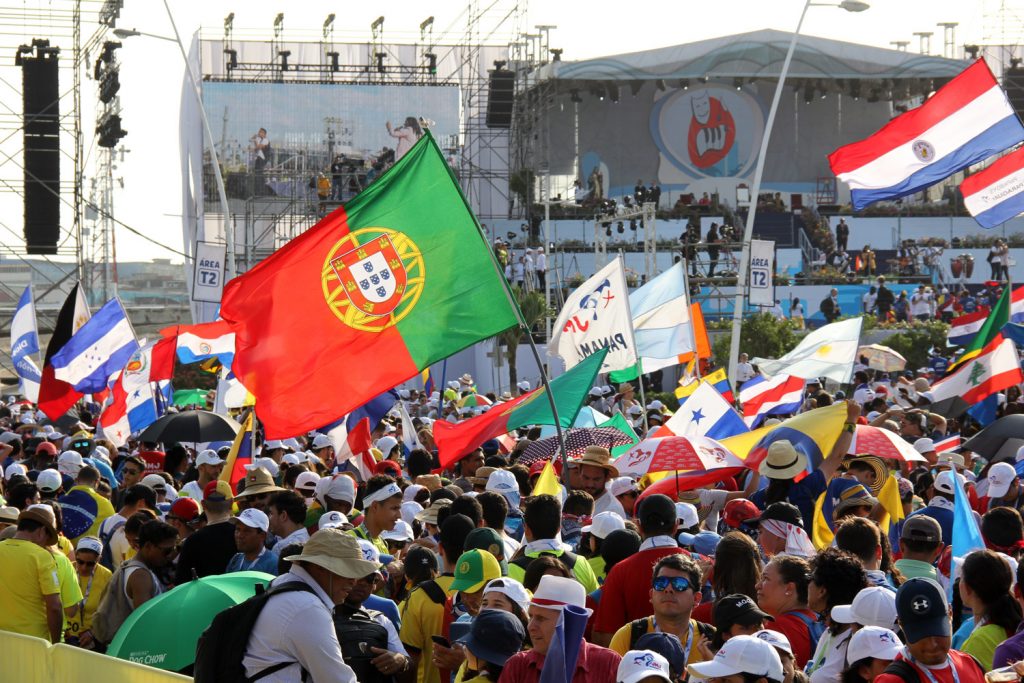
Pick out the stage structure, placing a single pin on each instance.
(689, 120)
(302, 126)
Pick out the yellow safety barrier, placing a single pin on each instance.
(33, 660)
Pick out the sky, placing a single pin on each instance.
(152, 70)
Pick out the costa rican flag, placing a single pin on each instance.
(761, 397)
(963, 328)
(950, 443)
(963, 123)
(996, 195)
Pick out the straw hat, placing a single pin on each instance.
(783, 461)
(258, 481)
(429, 515)
(597, 456)
(337, 552)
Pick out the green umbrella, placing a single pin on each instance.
(190, 397)
(163, 632)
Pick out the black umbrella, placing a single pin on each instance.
(576, 442)
(1000, 440)
(950, 408)
(195, 426)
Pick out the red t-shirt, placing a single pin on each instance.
(966, 668)
(154, 460)
(625, 595)
(797, 632)
(704, 612)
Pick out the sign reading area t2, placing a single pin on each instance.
(762, 267)
(208, 280)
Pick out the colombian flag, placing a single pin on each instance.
(393, 281)
(239, 456)
(428, 382)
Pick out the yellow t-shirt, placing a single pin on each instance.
(27, 573)
(620, 641)
(70, 593)
(65, 546)
(422, 618)
(92, 594)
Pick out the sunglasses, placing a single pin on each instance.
(678, 583)
(86, 563)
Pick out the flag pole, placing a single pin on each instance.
(632, 341)
(515, 307)
(689, 312)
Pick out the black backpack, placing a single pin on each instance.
(567, 557)
(638, 629)
(222, 646)
(357, 633)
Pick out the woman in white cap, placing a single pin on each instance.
(743, 659)
(871, 649)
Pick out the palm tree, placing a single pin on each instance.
(534, 309)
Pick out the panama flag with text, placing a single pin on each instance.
(596, 316)
(398, 278)
(966, 121)
(24, 344)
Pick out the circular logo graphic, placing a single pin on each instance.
(920, 605)
(372, 278)
(205, 348)
(464, 568)
(923, 150)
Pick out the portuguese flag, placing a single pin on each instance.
(397, 279)
(454, 441)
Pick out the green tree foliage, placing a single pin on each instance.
(914, 341)
(534, 309)
(762, 335)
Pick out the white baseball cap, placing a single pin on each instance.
(70, 463)
(873, 641)
(505, 483)
(369, 551)
(642, 665)
(13, 469)
(273, 444)
(401, 532)
(410, 492)
(776, 639)
(874, 606)
(603, 524)
(340, 487)
(944, 481)
(49, 481)
(924, 445)
(269, 465)
(1000, 478)
(410, 509)
(557, 592)
(332, 520)
(307, 482)
(686, 513)
(209, 457)
(253, 518)
(291, 459)
(155, 482)
(620, 485)
(739, 655)
(385, 444)
(321, 441)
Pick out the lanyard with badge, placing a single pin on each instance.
(252, 564)
(927, 672)
(689, 639)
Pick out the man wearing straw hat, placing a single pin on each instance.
(294, 634)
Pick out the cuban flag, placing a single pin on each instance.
(705, 413)
(996, 194)
(351, 435)
(135, 405)
(25, 344)
(965, 122)
(202, 341)
(97, 351)
(761, 397)
(963, 328)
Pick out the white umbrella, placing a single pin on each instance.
(882, 358)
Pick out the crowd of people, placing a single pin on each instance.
(468, 574)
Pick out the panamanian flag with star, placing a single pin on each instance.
(134, 403)
(704, 413)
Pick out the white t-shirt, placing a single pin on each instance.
(192, 490)
(919, 305)
(869, 301)
(744, 371)
(796, 310)
(542, 261)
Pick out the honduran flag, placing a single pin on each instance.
(996, 194)
(351, 435)
(963, 328)
(965, 122)
(761, 397)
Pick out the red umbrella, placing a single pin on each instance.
(671, 453)
(686, 481)
(868, 440)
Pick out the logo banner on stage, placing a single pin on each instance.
(208, 285)
(762, 271)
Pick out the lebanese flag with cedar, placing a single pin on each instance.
(397, 279)
(995, 368)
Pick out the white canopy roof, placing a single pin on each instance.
(759, 54)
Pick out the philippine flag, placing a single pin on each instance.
(779, 395)
(996, 195)
(963, 123)
(963, 328)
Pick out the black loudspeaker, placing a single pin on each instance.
(1013, 84)
(500, 93)
(41, 102)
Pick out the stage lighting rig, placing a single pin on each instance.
(284, 55)
(972, 51)
(232, 56)
(621, 229)
(556, 54)
(379, 59)
(627, 201)
(431, 63)
(109, 131)
(737, 83)
(278, 25)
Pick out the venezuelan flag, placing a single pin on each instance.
(239, 456)
(717, 379)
